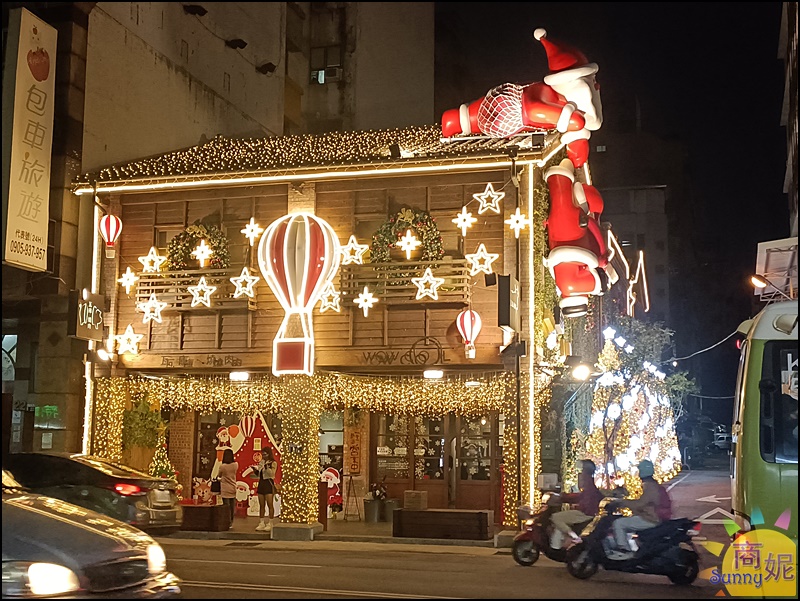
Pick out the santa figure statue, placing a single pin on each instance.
(578, 258)
(567, 100)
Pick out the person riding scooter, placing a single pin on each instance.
(650, 509)
(588, 500)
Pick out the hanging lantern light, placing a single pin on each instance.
(110, 229)
(468, 323)
(298, 255)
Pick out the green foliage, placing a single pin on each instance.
(140, 426)
(179, 251)
(420, 223)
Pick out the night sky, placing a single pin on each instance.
(706, 74)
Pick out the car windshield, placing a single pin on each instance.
(9, 482)
(110, 468)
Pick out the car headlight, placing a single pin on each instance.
(156, 560)
(34, 579)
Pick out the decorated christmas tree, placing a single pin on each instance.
(632, 416)
(161, 466)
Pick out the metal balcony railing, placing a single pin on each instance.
(391, 282)
(172, 287)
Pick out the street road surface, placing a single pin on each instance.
(332, 569)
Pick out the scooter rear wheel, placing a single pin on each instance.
(525, 553)
(580, 563)
(686, 573)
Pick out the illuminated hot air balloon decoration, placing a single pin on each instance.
(468, 323)
(298, 255)
(110, 229)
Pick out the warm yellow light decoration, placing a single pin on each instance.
(329, 299)
(464, 220)
(202, 253)
(517, 222)
(481, 260)
(428, 285)
(300, 400)
(365, 301)
(408, 243)
(201, 294)
(152, 262)
(244, 283)
(128, 279)
(489, 199)
(640, 278)
(128, 341)
(152, 308)
(252, 231)
(353, 252)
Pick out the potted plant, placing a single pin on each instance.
(373, 502)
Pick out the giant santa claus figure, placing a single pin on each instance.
(578, 258)
(567, 100)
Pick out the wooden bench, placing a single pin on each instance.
(465, 524)
(206, 518)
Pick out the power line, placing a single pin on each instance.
(703, 350)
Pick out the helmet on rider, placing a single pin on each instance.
(588, 466)
(646, 469)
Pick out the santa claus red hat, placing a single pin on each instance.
(565, 62)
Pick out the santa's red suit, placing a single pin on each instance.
(568, 100)
(578, 258)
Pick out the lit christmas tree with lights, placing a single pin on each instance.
(632, 415)
(161, 466)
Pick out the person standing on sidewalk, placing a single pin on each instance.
(267, 488)
(227, 475)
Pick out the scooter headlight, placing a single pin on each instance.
(545, 498)
(529, 522)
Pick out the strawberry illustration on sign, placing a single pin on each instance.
(38, 60)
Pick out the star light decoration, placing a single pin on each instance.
(481, 260)
(201, 294)
(330, 299)
(489, 199)
(252, 231)
(128, 279)
(365, 301)
(353, 252)
(428, 285)
(464, 220)
(408, 243)
(152, 262)
(128, 342)
(517, 222)
(202, 253)
(244, 284)
(152, 308)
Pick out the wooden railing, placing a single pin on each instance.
(391, 282)
(172, 287)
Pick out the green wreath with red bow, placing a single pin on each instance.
(420, 223)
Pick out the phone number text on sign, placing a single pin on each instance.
(26, 249)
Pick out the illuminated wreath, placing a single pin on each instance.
(420, 222)
(179, 251)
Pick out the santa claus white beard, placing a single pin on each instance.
(584, 93)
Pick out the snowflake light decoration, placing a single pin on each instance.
(464, 220)
(128, 279)
(365, 301)
(252, 231)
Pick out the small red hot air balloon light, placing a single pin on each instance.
(110, 229)
(468, 323)
(298, 255)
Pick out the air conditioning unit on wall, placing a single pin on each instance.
(333, 73)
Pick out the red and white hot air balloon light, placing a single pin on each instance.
(110, 229)
(468, 323)
(298, 255)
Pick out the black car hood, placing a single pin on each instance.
(39, 528)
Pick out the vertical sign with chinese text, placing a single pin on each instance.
(30, 65)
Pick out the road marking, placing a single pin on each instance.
(313, 591)
(713, 499)
(705, 517)
(671, 486)
(249, 563)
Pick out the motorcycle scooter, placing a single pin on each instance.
(537, 530)
(666, 549)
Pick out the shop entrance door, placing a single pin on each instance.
(474, 453)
